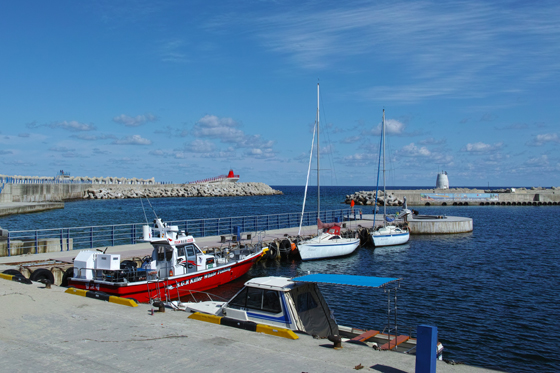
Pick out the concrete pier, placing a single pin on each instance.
(12, 208)
(462, 197)
(440, 225)
(423, 224)
(49, 330)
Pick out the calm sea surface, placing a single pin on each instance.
(493, 294)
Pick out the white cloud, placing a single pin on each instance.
(200, 146)
(351, 139)
(132, 140)
(94, 137)
(540, 140)
(538, 161)
(72, 125)
(392, 127)
(61, 149)
(432, 141)
(226, 130)
(480, 147)
(411, 150)
(134, 121)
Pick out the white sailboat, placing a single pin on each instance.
(387, 235)
(326, 244)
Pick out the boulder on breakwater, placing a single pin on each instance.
(369, 198)
(187, 190)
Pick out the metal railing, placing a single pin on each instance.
(76, 238)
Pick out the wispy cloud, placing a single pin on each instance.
(227, 131)
(132, 140)
(432, 141)
(94, 137)
(5, 152)
(480, 147)
(61, 149)
(543, 139)
(444, 49)
(173, 51)
(134, 121)
(350, 140)
(73, 126)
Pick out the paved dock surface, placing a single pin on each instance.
(48, 330)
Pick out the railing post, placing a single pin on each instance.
(133, 238)
(61, 239)
(8, 243)
(202, 233)
(112, 235)
(36, 242)
(91, 237)
(230, 227)
(68, 239)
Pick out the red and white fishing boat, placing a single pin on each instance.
(176, 267)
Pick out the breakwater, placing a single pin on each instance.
(187, 190)
(61, 192)
(459, 197)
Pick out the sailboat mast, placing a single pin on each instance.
(318, 164)
(384, 193)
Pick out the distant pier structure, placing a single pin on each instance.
(442, 181)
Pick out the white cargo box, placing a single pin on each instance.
(108, 262)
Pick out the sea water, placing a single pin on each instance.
(493, 294)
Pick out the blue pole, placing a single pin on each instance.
(426, 349)
(91, 237)
(36, 242)
(61, 239)
(8, 243)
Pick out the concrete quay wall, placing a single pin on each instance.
(447, 197)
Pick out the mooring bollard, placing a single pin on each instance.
(426, 349)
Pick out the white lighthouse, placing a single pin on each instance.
(442, 181)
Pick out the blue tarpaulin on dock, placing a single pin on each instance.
(368, 281)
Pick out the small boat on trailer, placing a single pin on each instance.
(176, 267)
(298, 305)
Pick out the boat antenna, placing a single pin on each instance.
(154, 211)
(144, 210)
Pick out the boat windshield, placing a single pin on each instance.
(163, 252)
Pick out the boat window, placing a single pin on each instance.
(254, 298)
(334, 238)
(271, 301)
(168, 253)
(305, 302)
(181, 251)
(239, 300)
(190, 250)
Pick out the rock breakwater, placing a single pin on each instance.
(369, 198)
(192, 190)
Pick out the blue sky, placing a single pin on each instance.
(181, 91)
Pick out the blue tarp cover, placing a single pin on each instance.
(372, 282)
(389, 218)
